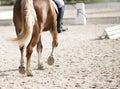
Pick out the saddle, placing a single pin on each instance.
(55, 6)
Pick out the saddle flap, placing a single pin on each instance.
(55, 6)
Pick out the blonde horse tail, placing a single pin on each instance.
(28, 21)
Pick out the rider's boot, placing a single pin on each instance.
(60, 20)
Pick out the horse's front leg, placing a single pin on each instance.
(22, 67)
(54, 34)
(39, 51)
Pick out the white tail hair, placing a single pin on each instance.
(28, 21)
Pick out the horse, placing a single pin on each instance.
(31, 18)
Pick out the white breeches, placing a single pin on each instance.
(60, 3)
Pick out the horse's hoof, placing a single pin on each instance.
(40, 67)
(22, 69)
(29, 73)
(50, 60)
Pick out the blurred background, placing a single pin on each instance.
(11, 2)
(96, 11)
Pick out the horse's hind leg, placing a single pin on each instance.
(31, 45)
(54, 34)
(22, 67)
(39, 50)
(29, 50)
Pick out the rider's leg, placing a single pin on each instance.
(61, 8)
(60, 20)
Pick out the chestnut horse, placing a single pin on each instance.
(31, 17)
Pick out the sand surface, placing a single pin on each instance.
(80, 61)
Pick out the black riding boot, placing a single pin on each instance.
(60, 20)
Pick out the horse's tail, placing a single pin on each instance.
(28, 21)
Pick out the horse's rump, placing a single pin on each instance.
(34, 12)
